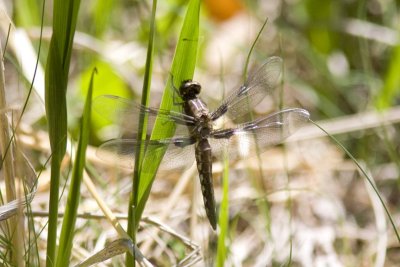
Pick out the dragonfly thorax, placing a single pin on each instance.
(204, 127)
(189, 90)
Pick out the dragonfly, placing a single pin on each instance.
(197, 138)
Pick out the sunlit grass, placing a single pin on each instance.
(12, 229)
(65, 15)
(74, 195)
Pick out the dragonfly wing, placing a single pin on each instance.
(126, 113)
(262, 133)
(179, 152)
(258, 85)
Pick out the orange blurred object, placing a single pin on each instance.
(223, 9)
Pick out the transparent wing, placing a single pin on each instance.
(179, 152)
(258, 85)
(126, 113)
(262, 133)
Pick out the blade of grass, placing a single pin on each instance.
(101, 15)
(7, 40)
(133, 221)
(182, 69)
(14, 228)
(68, 226)
(91, 172)
(257, 183)
(142, 123)
(391, 87)
(246, 65)
(31, 179)
(289, 202)
(369, 179)
(56, 79)
(113, 249)
(223, 220)
(6, 162)
(27, 13)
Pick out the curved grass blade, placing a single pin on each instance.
(223, 219)
(133, 219)
(56, 80)
(12, 229)
(246, 66)
(113, 249)
(66, 238)
(390, 89)
(369, 179)
(142, 130)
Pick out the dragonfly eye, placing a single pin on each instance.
(189, 89)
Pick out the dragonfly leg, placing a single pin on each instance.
(175, 93)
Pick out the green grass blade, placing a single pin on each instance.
(57, 68)
(67, 230)
(246, 65)
(27, 13)
(182, 69)
(145, 102)
(133, 200)
(369, 179)
(263, 206)
(101, 15)
(57, 120)
(391, 87)
(223, 217)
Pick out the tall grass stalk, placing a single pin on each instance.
(263, 206)
(223, 219)
(14, 226)
(71, 210)
(56, 81)
(133, 221)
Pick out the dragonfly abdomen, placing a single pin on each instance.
(204, 166)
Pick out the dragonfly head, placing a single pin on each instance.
(189, 89)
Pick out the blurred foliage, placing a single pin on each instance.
(320, 30)
(102, 11)
(27, 13)
(391, 87)
(110, 83)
